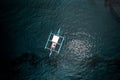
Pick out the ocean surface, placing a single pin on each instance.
(91, 49)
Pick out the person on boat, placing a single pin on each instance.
(53, 45)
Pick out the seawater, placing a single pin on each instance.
(91, 49)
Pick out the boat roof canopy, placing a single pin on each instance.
(55, 38)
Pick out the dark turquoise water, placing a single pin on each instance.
(91, 49)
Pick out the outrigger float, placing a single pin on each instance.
(54, 42)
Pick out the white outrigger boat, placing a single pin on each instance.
(54, 42)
